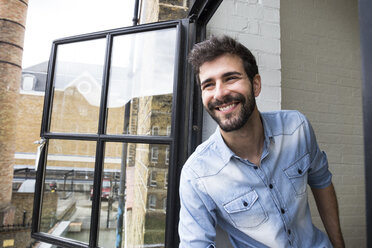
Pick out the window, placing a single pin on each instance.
(167, 155)
(104, 106)
(154, 154)
(169, 129)
(155, 131)
(166, 179)
(152, 179)
(28, 82)
(165, 204)
(152, 202)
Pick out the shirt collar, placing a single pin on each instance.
(225, 152)
(267, 130)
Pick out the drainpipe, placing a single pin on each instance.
(135, 16)
(122, 185)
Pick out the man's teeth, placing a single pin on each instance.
(227, 107)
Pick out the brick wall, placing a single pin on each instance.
(163, 10)
(256, 24)
(12, 25)
(321, 78)
(23, 202)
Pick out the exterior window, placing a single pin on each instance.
(28, 82)
(169, 128)
(153, 182)
(166, 179)
(167, 156)
(155, 131)
(165, 204)
(154, 154)
(152, 201)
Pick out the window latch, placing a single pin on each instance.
(40, 148)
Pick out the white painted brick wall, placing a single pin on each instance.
(256, 24)
(321, 77)
(309, 59)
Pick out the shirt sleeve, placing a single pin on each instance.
(319, 174)
(197, 219)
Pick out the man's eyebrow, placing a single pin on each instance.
(232, 73)
(205, 81)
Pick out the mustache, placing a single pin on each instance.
(226, 99)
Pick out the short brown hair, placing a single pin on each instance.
(209, 50)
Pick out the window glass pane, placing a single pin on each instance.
(138, 190)
(77, 87)
(141, 82)
(66, 206)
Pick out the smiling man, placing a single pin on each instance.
(251, 176)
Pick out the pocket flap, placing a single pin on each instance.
(298, 168)
(242, 203)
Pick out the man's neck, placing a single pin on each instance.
(248, 141)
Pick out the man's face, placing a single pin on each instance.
(227, 92)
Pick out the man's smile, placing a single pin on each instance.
(227, 108)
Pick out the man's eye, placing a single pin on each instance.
(232, 78)
(206, 86)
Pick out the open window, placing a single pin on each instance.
(114, 128)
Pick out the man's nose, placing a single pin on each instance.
(220, 91)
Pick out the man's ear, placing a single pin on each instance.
(257, 85)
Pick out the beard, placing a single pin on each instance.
(233, 121)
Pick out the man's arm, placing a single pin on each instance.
(326, 202)
(197, 223)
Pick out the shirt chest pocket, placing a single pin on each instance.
(246, 211)
(297, 174)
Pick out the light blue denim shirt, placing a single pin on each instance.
(263, 206)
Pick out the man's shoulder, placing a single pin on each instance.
(283, 122)
(200, 161)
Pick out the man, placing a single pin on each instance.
(250, 177)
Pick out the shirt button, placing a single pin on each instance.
(245, 204)
(255, 167)
(271, 186)
(299, 171)
(282, 210)
(289, 231)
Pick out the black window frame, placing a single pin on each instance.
(180, 132)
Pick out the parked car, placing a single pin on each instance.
(105, 191)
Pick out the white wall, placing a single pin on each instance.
(321, 76)
(256, 24)
(309, 59)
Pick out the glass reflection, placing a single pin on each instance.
(141, 79)
(66, 206)
(77, 87)
(133, 209)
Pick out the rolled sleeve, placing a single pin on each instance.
(319, 174)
